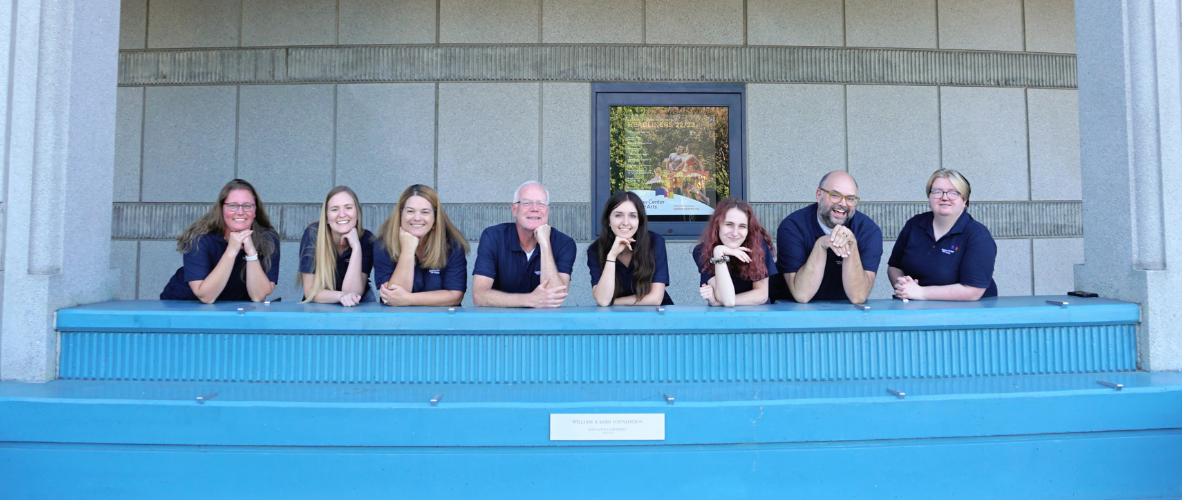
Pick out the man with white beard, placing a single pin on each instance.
(829, 251)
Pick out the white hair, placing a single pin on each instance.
(517, 193)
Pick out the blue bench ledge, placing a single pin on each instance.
(291, 342)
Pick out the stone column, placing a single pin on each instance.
(1130, 124)
(59, 77)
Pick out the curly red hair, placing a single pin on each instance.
(756, 237)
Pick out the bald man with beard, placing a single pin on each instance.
(829, 251)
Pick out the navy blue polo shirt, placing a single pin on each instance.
(741, 285)
(799, 232)
(308, 258)
(624, 273)
(452, 276)
(200, 261)
(965, 255)
(501, 258)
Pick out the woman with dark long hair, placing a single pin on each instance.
(627, 261)
(734, 256)
(231, 252)
(421, 257)
(336, 253)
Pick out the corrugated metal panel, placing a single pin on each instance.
(1005, 219)
(620, 63)
(526, 358)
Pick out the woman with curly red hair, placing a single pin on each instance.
(738, 260)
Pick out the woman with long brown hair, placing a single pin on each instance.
(421, 258)
(627, 262)
(734, 256)
(336, 253)
(231, 252)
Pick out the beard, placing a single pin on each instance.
(827, 216)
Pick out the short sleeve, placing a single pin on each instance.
(200, 259)
(366, 252)
(486, 254)
(273, 271)
(455, 275)
(661, 274)
(593, 263)
(870, 246)
(794, 252)
(383, 265)
(308, 250)
(896, 259)
(976, 267)
(564, 251)
(704, 274)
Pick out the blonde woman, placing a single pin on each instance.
(336, 253)
(421, 258)
(231, 252)
(944, 254)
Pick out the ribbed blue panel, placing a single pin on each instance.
(500, 359)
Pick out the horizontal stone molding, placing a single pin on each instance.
(1005, 219)
(615, 63)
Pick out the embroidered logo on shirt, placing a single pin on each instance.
(538, 273)
(433, 271)
(950, 251)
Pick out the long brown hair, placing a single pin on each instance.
(263, 235)
(437, 243)
(644, 263)
(756, 237)
(324, 252)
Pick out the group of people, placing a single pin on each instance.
(826, 251)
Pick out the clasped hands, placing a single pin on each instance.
(907, 287)
(241, 240)
(840, 240)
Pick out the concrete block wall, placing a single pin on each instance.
(476, 141)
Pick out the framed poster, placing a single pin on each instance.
(679, 147)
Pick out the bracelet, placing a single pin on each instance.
(609, 260)
(720, 260)
(249, 258)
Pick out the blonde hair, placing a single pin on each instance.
(956, 178)
(213, 223)
(436, 244)
(324, 252)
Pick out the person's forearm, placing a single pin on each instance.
(496, 298)
(724, 287)
(754, 297)
(354, 281)
(437, 298)
(404, 271)
(655, 296)
(213, 284)
(807, 280)
(854, 279)
(955, 291)
(894, 273)
(327, 297)
(606, 288)
(258, 285)
(549, 269)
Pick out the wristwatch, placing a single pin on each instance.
(249, 258)
(720, 260)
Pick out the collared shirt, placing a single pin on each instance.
(308, 259)
(741, 285)
(624, 273)
(501, 258)
(965, 255)
(452, 276)
(200, 260)
(799, 232)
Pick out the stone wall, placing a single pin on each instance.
(299, 96)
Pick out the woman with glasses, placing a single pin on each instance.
(627, 262)
(734, 256)
(421, 258)
(336, 253)
(231, 252)
(944, 254)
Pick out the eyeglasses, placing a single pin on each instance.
(531, 204)
(233, 207)
(836, 197)
(939, 193)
